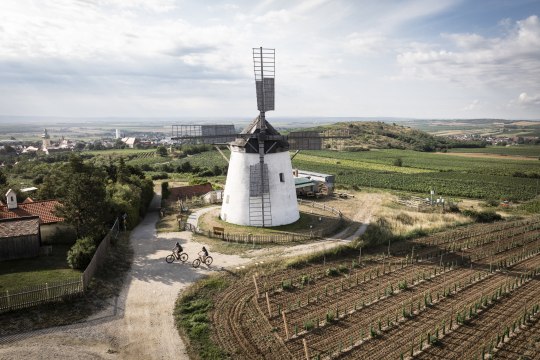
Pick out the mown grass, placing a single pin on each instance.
(16, 274)
(103, 288)
(191, 315)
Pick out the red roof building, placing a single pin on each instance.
(184, 192)
(44, 209)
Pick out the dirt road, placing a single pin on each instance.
(139, 323)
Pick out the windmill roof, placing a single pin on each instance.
(44, 209)
(19, 227)
(255, 127)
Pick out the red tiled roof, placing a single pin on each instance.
(44, 209)
(19, 227)
(184, 192)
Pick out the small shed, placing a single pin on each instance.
(304, 186)
(19, 238)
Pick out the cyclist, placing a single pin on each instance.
(203, 254)
(177, 250)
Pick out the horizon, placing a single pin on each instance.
(421, 60)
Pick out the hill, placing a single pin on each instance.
(380, 135)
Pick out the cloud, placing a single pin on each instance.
(366, 43)
(472, 106)
(528, 100)
(471, 59)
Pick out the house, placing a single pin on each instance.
(213, 197)
(19, 238)
(130, 141)
(44, 209)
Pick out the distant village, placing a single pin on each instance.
(49, 145)
(497, 140)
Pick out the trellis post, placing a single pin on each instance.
(285, 325)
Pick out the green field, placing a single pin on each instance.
(518, 150)
(448, 175)
(455, 176)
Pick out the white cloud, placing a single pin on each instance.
(528, 100)
(366, 43)
(472, 106)
(510, 60)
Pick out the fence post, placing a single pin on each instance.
(8, 300)
(268, 304)
(47, 290)
(285, 324)
(306, 350)
(256, 286)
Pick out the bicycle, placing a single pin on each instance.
(183, 257)
(208, 260)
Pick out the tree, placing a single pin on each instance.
(161, 150)
(3, 179)
(80, 188)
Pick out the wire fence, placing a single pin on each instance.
(58, 290)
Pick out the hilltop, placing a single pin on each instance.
(380, 135)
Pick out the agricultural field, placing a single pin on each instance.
(419, 172)
(470, 292)
(520, 150)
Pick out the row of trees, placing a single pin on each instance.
(93, 196)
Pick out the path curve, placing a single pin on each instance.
(139, 323)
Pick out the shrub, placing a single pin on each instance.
(405, 218)
(398, 162)
(160, 176)
(165, 190)
(80, 254)
(332, 271)
(482, 216)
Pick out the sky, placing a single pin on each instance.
(439, 59)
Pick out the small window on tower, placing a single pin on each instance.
(11, 198)
(227, 200)
(281, 177)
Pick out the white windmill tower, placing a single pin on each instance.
(260, 189)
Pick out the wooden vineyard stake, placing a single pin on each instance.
(256, 286)
(285, 324)
(306, 350)
(268, 304)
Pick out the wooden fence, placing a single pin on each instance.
(57, 290)
(38, 294)
(278, 238)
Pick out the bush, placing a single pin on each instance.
(398, 162)
(332, 271)
(165, 190)
(482, 216)
(80, 254)
(160, 176)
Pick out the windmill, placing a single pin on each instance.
(260, 189)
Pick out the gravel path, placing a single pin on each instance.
(139, 323)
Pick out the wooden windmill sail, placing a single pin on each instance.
(260, 189)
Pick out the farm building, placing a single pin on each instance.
(19, 238)
(312, 182)
(304, 186)
(213, 197)
(45, 210)
(130, 141)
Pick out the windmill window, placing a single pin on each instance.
(227, 200)
(281, 177)
(11, 198)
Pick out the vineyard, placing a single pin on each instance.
(471, 293)
(449, 175)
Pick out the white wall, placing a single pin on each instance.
(235, 208)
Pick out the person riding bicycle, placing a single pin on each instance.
(203, 254)
(177, 249)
